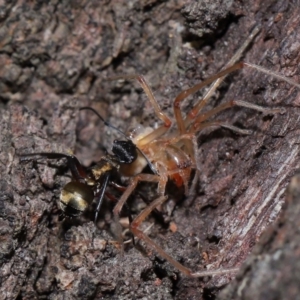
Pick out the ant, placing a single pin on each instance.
(171, 155)
(90, 184)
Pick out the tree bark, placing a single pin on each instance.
(57, 57)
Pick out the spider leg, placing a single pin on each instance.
(158, 111)
(222, 124)
(134, 227)
(183, 124)
(236, 57)
(190, 118)
(131, 187)
(184, 94)
(216, 80)
(193, 116)
(142, 81)
(198, 122)
(114, 199)
(181, 141)
(161, 180)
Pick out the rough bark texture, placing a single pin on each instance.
(55, 58)
(272, 270)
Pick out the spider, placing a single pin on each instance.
(174, 153)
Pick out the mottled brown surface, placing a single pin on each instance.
(272, 270)
(55, 58)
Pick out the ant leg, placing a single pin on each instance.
(134, 227)
(77, 169)
(99, 195)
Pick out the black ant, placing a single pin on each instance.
(90, 184)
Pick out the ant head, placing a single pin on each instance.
(124, 151)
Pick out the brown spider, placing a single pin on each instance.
(173, 153)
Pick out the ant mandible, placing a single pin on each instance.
(170, 155)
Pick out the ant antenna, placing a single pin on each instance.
(105, 122)
(153, 169)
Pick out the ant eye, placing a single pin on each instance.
(125, 151)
